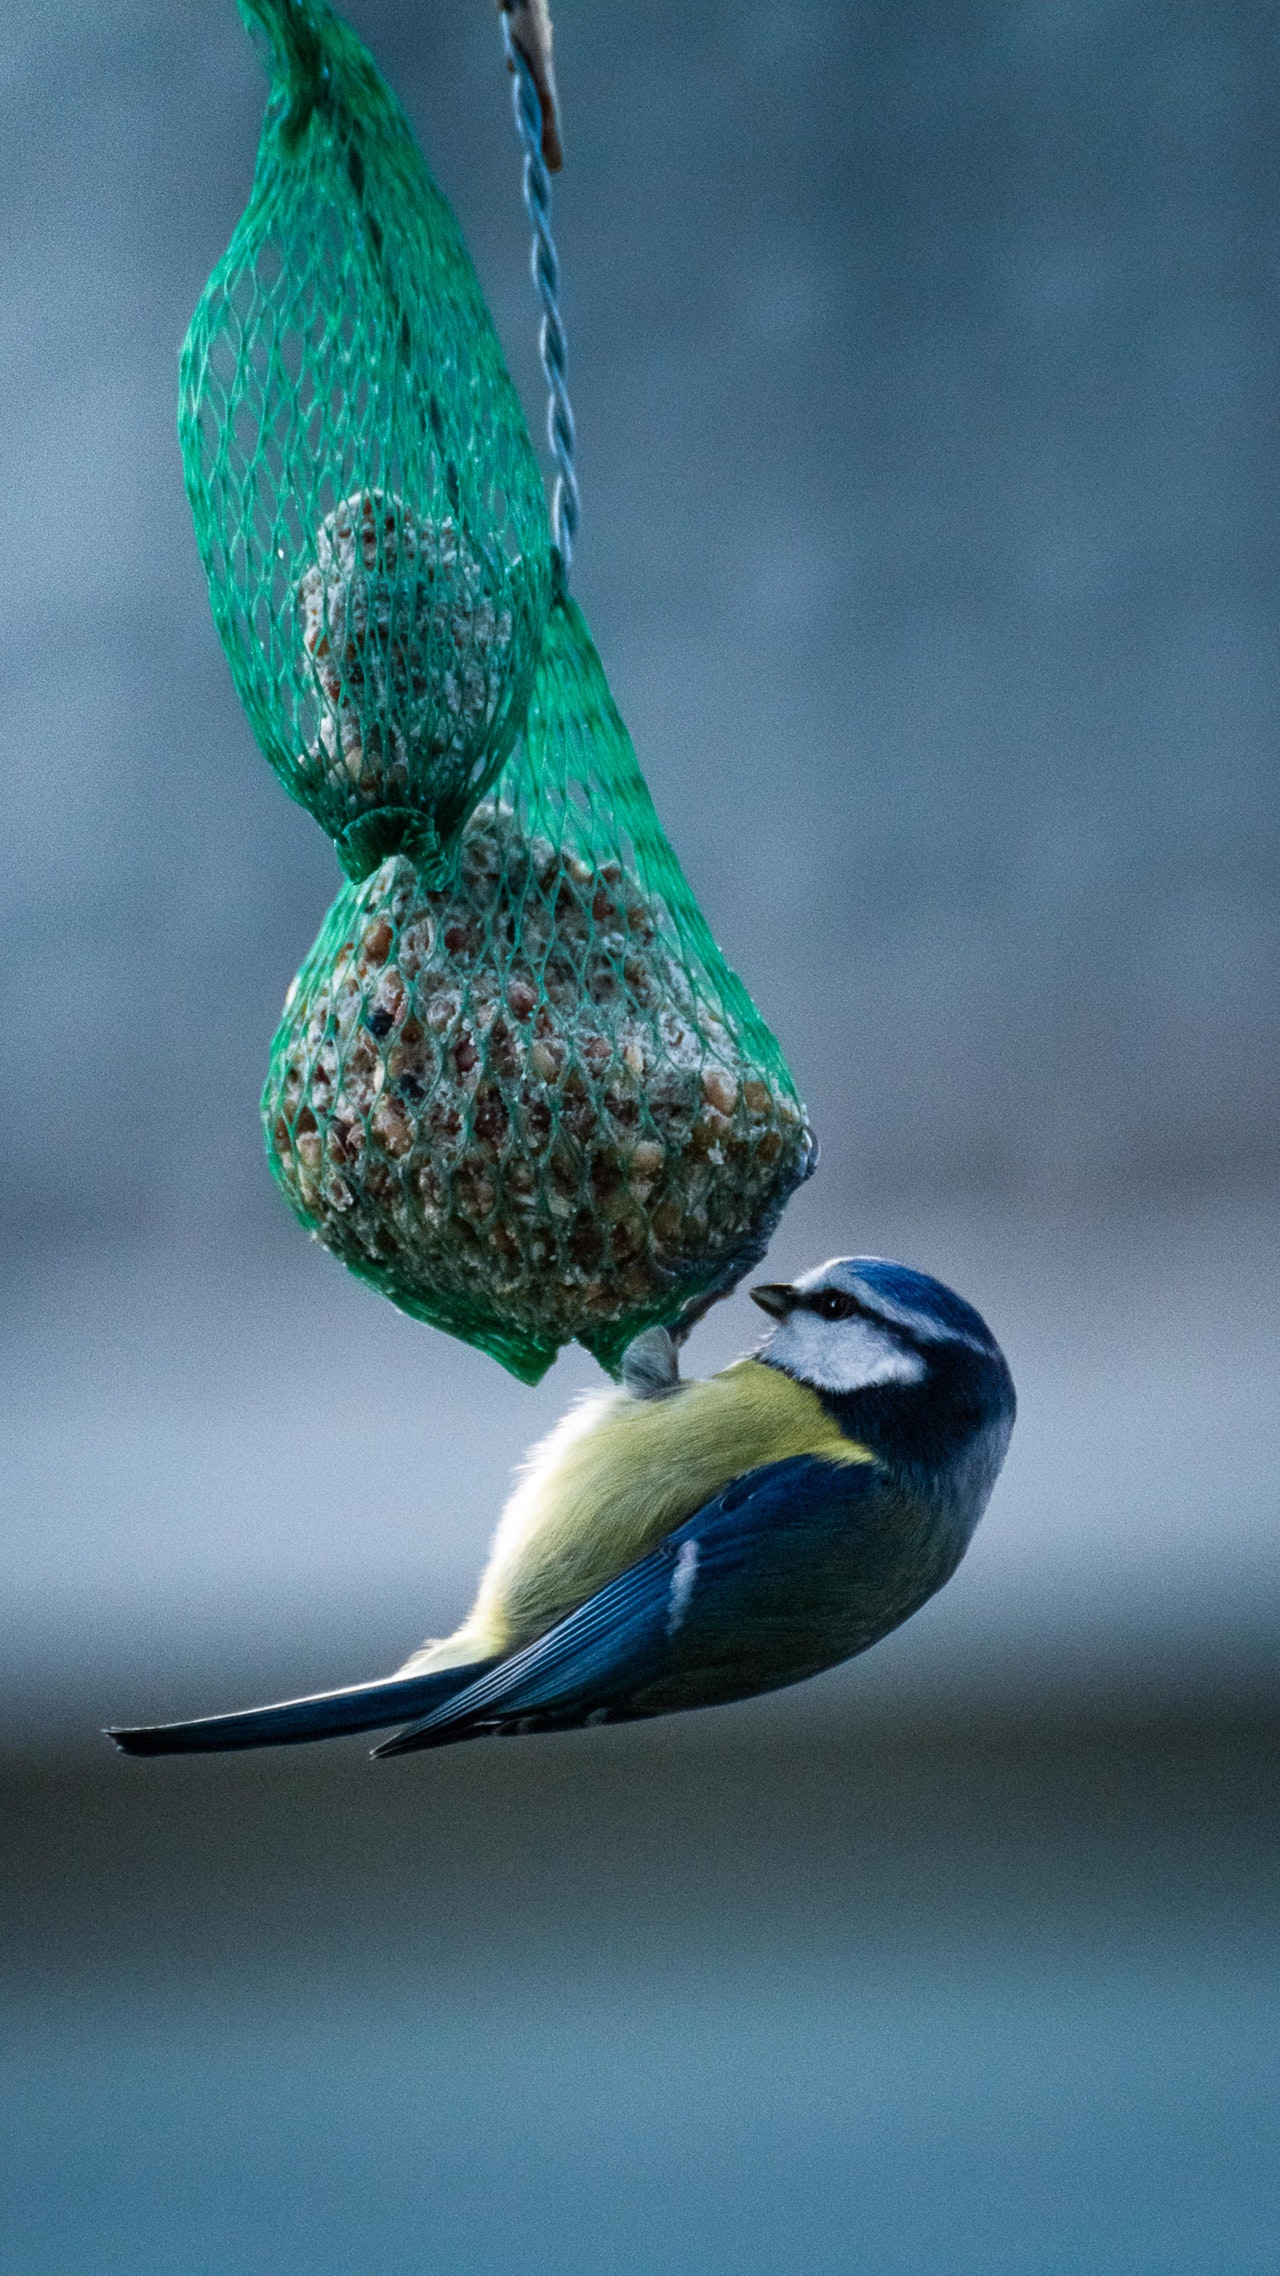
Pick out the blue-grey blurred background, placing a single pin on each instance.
(925, 365)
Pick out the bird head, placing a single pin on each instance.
(900, 1360)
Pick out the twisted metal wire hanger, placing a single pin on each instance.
(528, 46)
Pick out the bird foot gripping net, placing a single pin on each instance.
(516, 1086)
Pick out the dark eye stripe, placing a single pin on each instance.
(835, 1304)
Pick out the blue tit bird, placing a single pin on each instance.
(683, 1544)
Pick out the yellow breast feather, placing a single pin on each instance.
(620, 1473)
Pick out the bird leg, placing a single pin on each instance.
(651, 1365)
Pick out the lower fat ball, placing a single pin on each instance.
(684, 1545)
(505, 1101)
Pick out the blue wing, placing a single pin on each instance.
(778, 1576)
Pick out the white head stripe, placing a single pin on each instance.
(916, 1323)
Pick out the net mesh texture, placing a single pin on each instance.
(367, 502)
(531, 1102)
(516, 1086)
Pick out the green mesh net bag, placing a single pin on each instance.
(529, 1100)
(367, 503)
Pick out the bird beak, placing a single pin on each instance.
(774, 1297)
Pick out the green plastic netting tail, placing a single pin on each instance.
(531, 1102)
(367, 503)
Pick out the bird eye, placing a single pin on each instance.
(831, 1305)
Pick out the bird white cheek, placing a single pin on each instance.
(841, 1355)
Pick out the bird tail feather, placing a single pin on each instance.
(290, 1722)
